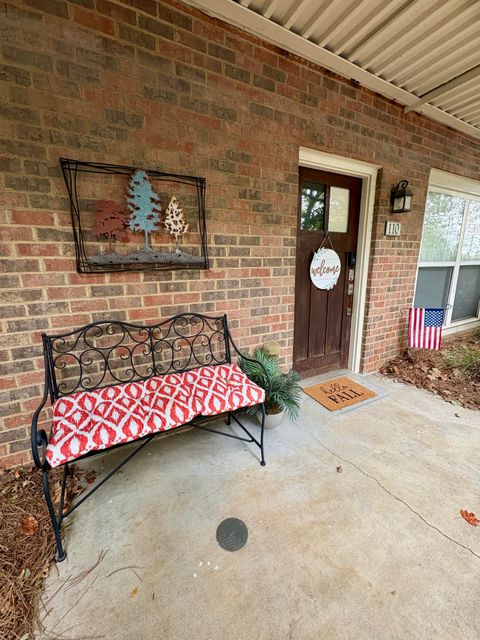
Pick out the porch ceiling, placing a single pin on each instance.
(425, 54)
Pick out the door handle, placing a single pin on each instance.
(352, 258)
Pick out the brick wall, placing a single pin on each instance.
(156, 84)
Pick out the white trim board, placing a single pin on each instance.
(453, 182)
(460, 327)
(368, 173)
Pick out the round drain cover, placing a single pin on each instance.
(232, 534)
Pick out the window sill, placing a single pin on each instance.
(461, 325)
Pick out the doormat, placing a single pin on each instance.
(338, 393)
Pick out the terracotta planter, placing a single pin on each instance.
(272, 420)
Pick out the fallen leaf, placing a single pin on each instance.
(56, 492)
(76, 490)
(29, 525)
(90, 477)
(471, 518)
(134, 592)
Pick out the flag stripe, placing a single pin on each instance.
(410, 327)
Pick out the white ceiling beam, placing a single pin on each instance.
(248, 20)
(471, 74)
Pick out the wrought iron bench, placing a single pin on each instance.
(112, 383)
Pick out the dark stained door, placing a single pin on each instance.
(328, 202)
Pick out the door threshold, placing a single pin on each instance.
(307, 382)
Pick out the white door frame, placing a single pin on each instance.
(368, 174)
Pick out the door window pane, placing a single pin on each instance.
(312, 214)
(338, 210)
(471, 239)
(433, 284)
(442, 226)
(467, 293)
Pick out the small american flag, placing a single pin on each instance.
(425, 328)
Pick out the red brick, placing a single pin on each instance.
(69, 322)
(96, 304)
(92, 20)
(117, 12)
(148, 6)
(15, 459)
(63, 293)
(37, 218)
(7, 383)
(43, 279)
(43, 249)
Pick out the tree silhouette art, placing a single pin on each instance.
(174, 221)
(110, 222)
(144, 205)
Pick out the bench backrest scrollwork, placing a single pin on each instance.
(105, 353)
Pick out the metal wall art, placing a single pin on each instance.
(125, 218)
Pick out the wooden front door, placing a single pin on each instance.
(327, 202)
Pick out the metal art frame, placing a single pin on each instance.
(71, 169)
(166, 338)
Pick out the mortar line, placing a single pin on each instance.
(393, 495)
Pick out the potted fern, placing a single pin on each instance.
(282, 391)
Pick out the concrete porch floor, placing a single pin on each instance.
(376, 552)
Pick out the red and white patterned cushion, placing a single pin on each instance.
(96, 420)
(222, 388)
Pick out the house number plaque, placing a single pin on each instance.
(392, 228)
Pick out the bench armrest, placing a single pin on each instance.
(39, 438)
(248, 359)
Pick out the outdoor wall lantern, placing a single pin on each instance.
(401, 197)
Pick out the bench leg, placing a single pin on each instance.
(262, 409)
(228, 420)
(61, 555)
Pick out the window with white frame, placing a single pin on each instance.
(449, 267)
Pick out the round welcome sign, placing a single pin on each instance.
(325, 269)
